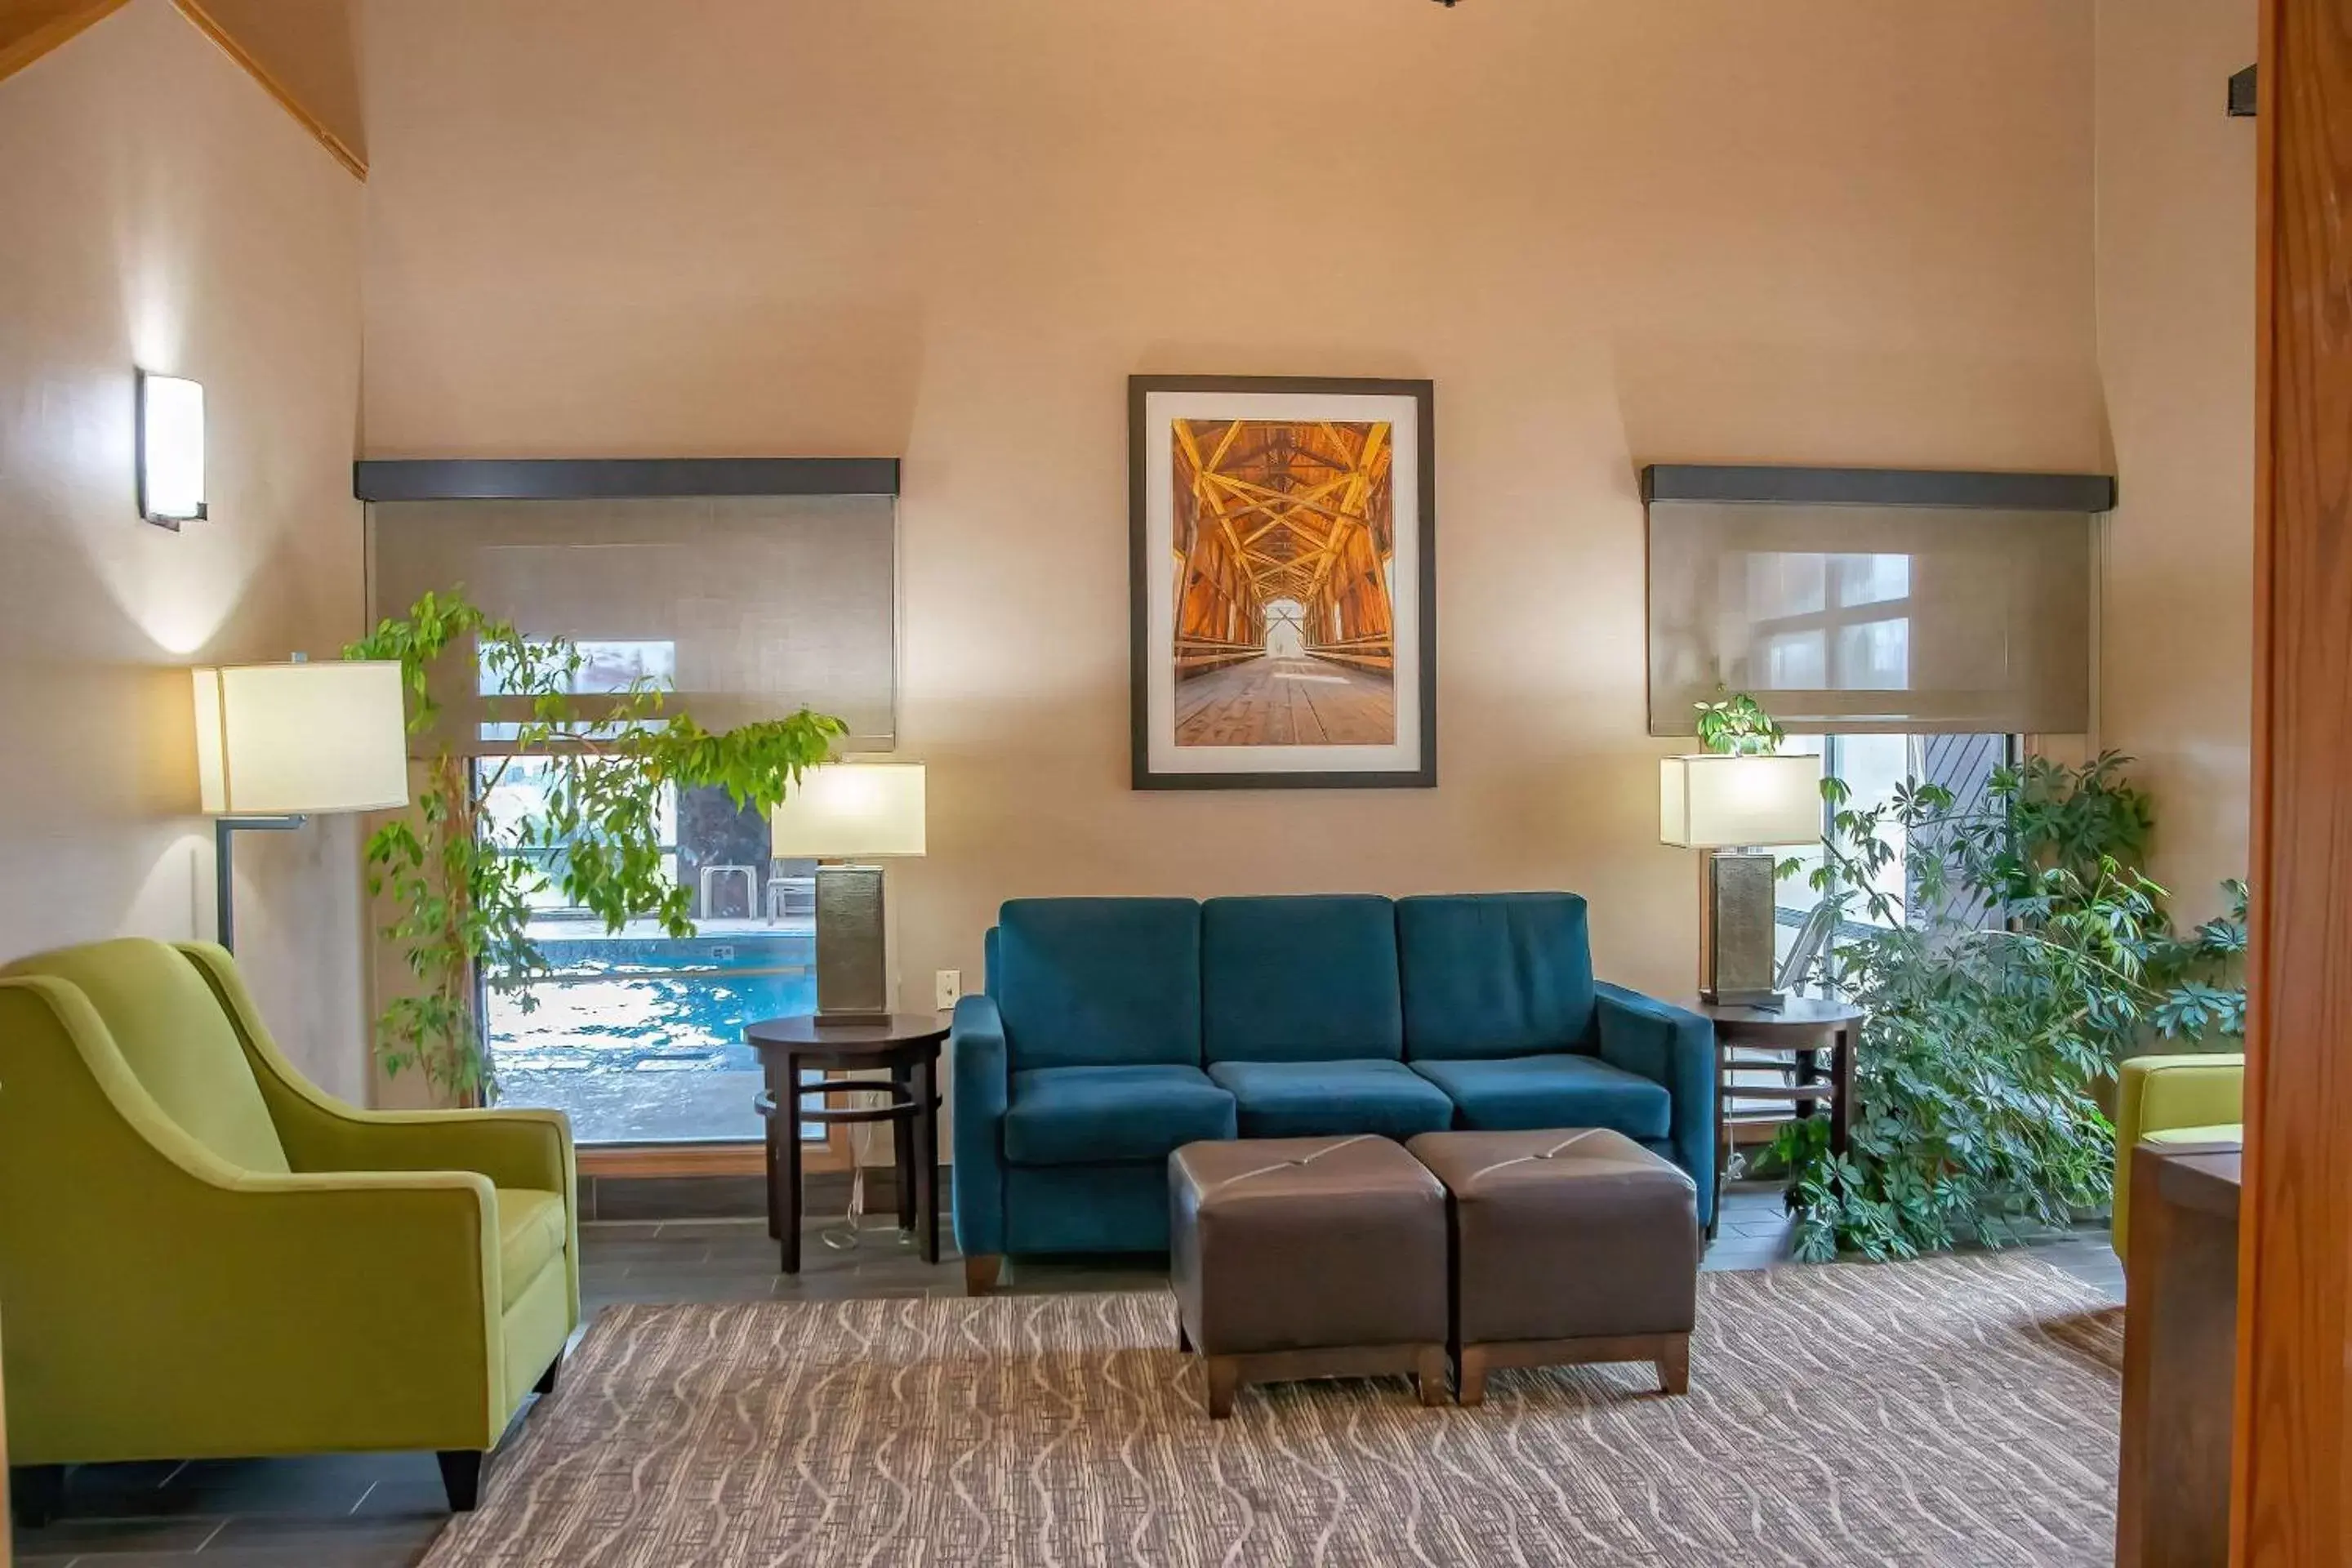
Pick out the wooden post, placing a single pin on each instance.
(2289, 1458)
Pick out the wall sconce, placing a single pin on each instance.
(171, 450)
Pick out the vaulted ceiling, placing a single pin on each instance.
(305, 53)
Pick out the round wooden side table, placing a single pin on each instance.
(905, 1045)
(1787, 1040)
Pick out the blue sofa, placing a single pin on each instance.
(1113, 1031)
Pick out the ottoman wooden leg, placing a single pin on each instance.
(980, 1273)
(1470, 1387)
(1429, 1374)
(1224, 1378)
(1673, 1364)
(1184, 1340)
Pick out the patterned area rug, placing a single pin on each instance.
(1957, 1411)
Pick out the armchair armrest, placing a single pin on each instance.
(1674, 1047)
(983, 1087)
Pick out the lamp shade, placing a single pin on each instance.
(1714, 801)
(281, 738)
(846, 810)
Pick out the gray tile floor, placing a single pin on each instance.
(381, 1511)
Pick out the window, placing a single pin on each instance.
(745, 607)
(1874, 766)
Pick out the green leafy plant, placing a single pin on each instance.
(2033, 955)
(463, 880)
(1738, 726)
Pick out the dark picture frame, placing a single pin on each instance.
(1165, 759)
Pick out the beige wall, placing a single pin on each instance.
(165, 213)
(2175, 311)
(1819, 231)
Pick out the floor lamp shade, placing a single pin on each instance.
(851, 811)
(1732, 806)
(277, 741)
(281, 738)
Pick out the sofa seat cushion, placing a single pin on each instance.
(1085, 1115)
(532, 1235)
(1311, 1099)
(1514, 1094)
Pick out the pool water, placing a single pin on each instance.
(640, 1037)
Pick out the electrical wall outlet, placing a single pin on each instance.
(951, 987)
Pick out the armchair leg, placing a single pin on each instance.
(980, 1273)
(461, 1476)
(36, 1493)
(546, 1383)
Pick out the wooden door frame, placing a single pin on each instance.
(2295, 1270)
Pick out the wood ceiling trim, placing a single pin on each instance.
(204, 23)
(19, 49)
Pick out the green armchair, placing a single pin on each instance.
(203, 1256)
(2192, 1098)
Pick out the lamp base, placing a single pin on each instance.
(1762, 1001)
(1736, 960)
(853, 972)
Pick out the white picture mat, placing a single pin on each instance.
(1403, 414)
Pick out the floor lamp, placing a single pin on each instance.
(278, 743)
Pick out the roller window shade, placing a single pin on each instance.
(1863, 619)
(743, 608)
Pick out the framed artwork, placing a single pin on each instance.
(1282, 582)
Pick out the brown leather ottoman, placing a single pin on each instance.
(1569, 1246)
(1307, 1257)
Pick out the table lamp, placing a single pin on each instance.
(842, 813)
(277, 743)
(1733, 807)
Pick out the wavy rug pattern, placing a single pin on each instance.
(1959, 1411)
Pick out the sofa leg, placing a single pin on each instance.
(461, 1476)
(980, 1273)
(546, 1383)
(37, 1494)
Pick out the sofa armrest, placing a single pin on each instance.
(983, 1087)
(1674, 1047)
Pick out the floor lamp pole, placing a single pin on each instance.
(224, 829)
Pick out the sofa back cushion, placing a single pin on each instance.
(1099, 981)
(1494, 974)
(175, 1039)
(1300, 979)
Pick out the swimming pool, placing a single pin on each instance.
(640, 1037)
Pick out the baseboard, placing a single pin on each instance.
(645, 1198)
